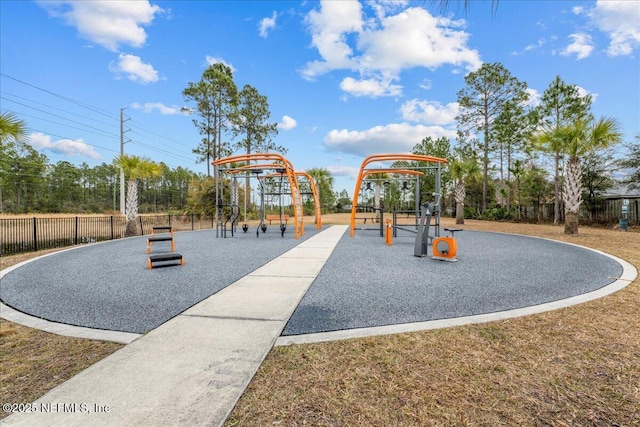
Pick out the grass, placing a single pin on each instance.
(572, 367)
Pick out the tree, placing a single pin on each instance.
(343, 200)
(534, 188)
(517, 169)
(324, 183)
(216, 97)
(487, 93)
(597, 178)
(12, 129)
(512, 130)
(463, 169)
(251, 121)
(561, 105)
(578, 139)
(632, 163)
(64, 187)
(135, 168)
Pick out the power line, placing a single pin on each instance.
(66, 98)
(100, 131)
(97, 131)
(52, 107)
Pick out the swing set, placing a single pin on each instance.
(280, 169)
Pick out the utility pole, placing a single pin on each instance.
(122, 142)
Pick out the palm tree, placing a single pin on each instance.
(11, 127)
(135, 168)
(324, 184)
(462, 170)
(583, 136)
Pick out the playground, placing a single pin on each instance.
(227, 295)
(364, 283)
(373, 250)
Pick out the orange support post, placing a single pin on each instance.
(389, 233)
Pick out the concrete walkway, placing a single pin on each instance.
(192, 369)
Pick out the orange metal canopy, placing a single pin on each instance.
(291, 176)
(384, 158)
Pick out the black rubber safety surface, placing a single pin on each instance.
(364, 283)
(109, 286)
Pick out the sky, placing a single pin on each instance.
(344, 79)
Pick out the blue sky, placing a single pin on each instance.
(344, 79)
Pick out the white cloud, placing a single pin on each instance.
(372, 88)
(267, 24)
(329, 29)
(621, 21)
(68, 147)
(392, 138)
(216, 60)
(584, 92)
(149, 107)
(379, 48)
(287, 123)
(107, 23)
(346, 171)
(582, 46)
(136, 70)
(429, 112)
(534, 97)
(426, 84)
(415, 38)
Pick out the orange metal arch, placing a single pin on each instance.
(291, 176)
(277, 166)
(383, 158)
(316, 198)
(395, 171)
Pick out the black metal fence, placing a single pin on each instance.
(19, 235)
(604, 212)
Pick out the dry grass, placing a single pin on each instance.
(573, 367)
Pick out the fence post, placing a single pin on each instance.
(111, 221)
(35, 234)
(169, 220)
(141, 226)
(75, 234)
(192, 225)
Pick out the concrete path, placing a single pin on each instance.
(192, 369)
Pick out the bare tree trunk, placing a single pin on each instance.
(459, 213)
(460, 194)
(571, 223)
(572, 195)
(131, 209)
(557, 191)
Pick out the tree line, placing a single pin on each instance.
(510, 154)
(30, 183)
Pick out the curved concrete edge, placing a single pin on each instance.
(15, 316)
(629, 274)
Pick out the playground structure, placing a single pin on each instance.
(424, 212)
(281, 168)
